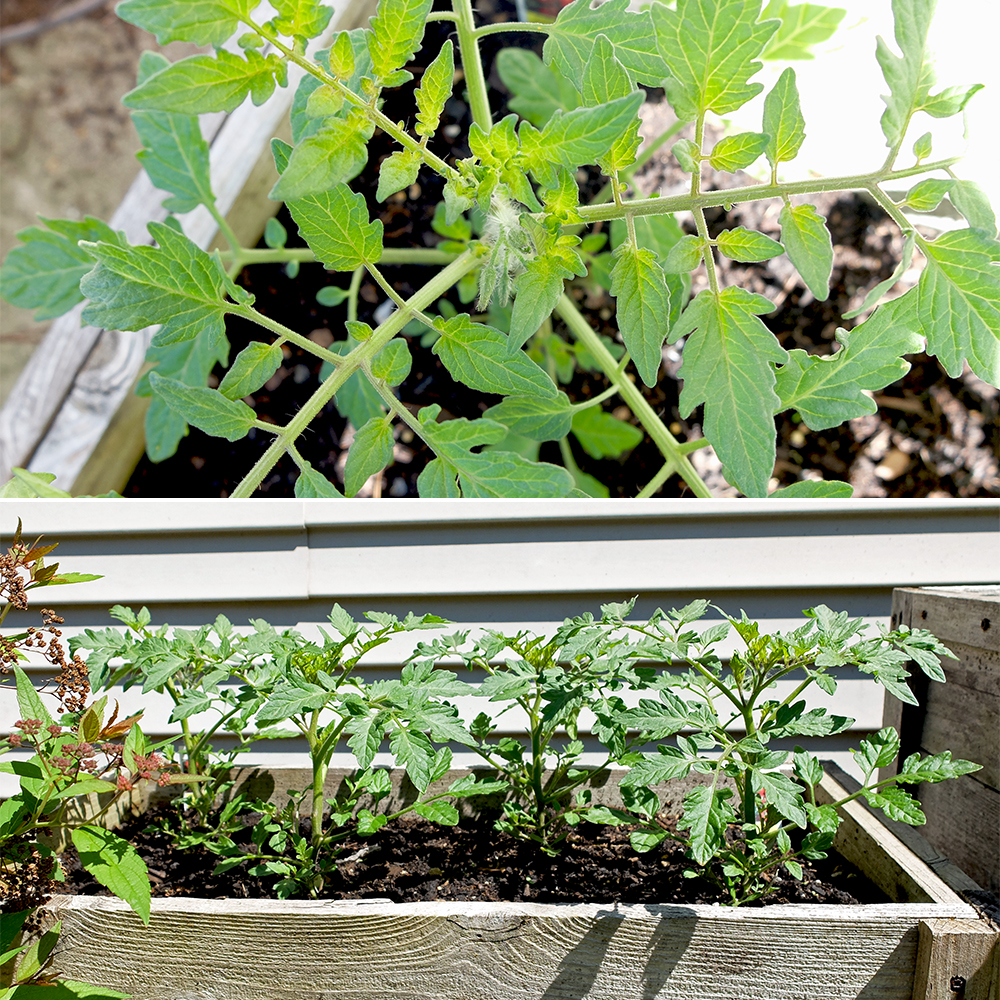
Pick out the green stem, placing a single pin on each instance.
(594, 400)
(754, 192)
(669, 445)
(475, 79)
(495, 29)
(248, 312)
(666, 471)
(352, 294)
(349, 364)
(280, 255)
(627, 173)
(227, 231)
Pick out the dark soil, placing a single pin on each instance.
(413, 860)
(933, 435)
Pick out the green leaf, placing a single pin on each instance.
(927, 194)
(412, 750)
(303, 18)
(583, 135)
(434, 90)
(802, 26)
(911, 75)
(28, 701)
(970, 199)
(333, 155)
(688, 155)
(44, 272)
(879, 750)
(176, 284)
(342, 56)
(31, 484)
(711, 48)
(956, 304)
(656, 720)
(539, 90)
(370, 452)
(438, 811)
(643, 300)
(935, 768)
(745, 245)
(785, 795)
(898, 804)
(253, 366)
(570, 40)
(605, 80)
(538, 289)
(812, 489)
(828, 391)
(602, 435)
(336, 226)
(276, 236)
(809, 246)
(175, 155)
(783, 121)
(685, 255)
(204, 22)
(331, 296)
(392, 364)
(734, 152)
(706, 815)
(478, 356)
(396, 30)
(116, 864)
(397, 171)
(654, 768)
(923, 146)
(206, 408)
(312, 483)
(536, 417)
(728, 366)
(883, 286)
(200, 84)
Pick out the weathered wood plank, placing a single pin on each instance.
(269, 950)
(956, 958)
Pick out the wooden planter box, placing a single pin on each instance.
(963, 715)
(213, 949)
(73, 411)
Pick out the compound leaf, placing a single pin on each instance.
(970, 199)
(539, 90)
(396, 30)
(746, 245)
(539, 418)
(783, 121)
(809, 246)
(302, 18)
(200, 84)
(333, 155)
(370, 452)
(640, 288)
(206, 408)
(435, 89)
(829, 391)
(711, 48)
(477, 355)
(204, 22)
(734, 152)
(252, 367)
(728, 366)
(802, 26)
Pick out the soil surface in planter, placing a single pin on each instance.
(413, 860)
(933, 435)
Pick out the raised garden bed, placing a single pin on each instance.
(288, 950)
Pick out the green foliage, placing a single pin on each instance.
(520, 237)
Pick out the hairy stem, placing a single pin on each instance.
(475, 79)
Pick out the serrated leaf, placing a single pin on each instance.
(785, 795)
(656, 720)
(478, 356)
(434, 90)
(392, 364)
(396, 30)
(734, 152)
(883, 286)
(571, 38)
(370, 452)
(923, 146)
(655, 768)
(577, 137)
(827, 391)
(898, 804)
(175, 155)
(201, 84)
(332, 156)
(956, 304)
(116, 864)
(438, 811)
(251, 368)
(604, 80)
(176, 284)
(783, 121)
(538, 90)
(603, 436)
(302, 18)
(536, 417)
(44, 271)
(397, 171)
(935, 768)
(204, 22)
(802, 26)
(342, 56)
(711, 48)
(643, 307)
(746, 245)
(728, 366)
(350, 41)
(813, 489)
(538, 289)
(685, 255)
(706, 816)
(688, 155)
(911, 75)
(206, 408)
(311, 483)
(809, 246)
(30, 704)
(412, 750)
(926, 195)
(970, 199)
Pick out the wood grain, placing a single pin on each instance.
(956, 953)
